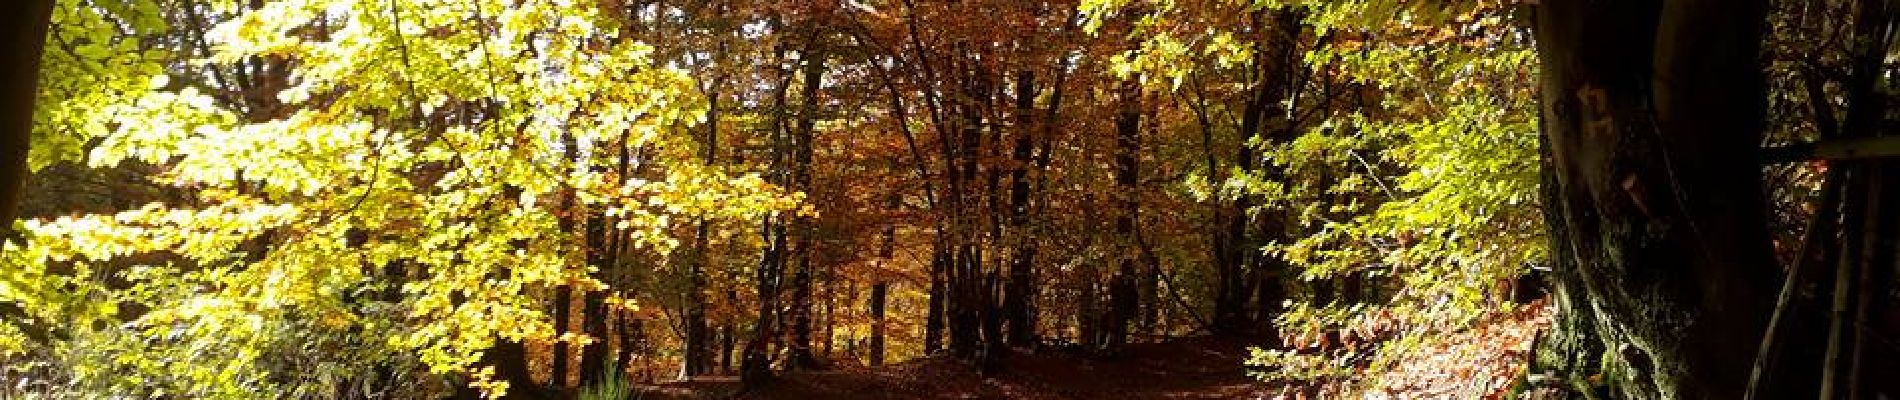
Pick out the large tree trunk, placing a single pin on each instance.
(27, 25)
(26, 29)
(1653, 116)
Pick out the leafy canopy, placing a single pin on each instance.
(410, 147)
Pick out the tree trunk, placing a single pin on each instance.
(1088, 309)
(728, 338)
(694, 362)
(568, 220)
(1150, 289)
(1869, 357)
(935, 317)
(813, 70)
(696, 358)
(962, 152)
(755, 366)
(1241, 271)
(831, 308)
(878, 293)
(880, 288)
(1017, 291)
(631, 330)
(594, 355)
(510, 359)
(594, 312)
(1123, 294)
(26, 28)
(965, 314)
(994, 348)
(563, 323)
(801, 310)
(1653, 114)
(26, 25)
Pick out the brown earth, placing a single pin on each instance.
(1201, 368)
(1479, 362)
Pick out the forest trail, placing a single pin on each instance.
(1479, 362)
(1195, 368)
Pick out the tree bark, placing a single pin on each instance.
(511, 365)
(1866, 259)
(935, 317)
(727, 341)
(594, 355)
(568, 220)
(1242, 271)
(1653, 117)
(594, 313)
(696, 358)
(27, 25)
(878, 292)
(880, 287)
(1018, 290)
(813, 70)
(630, 331)
(962, 152)
(26, 29)
(755, 364)
(1123, 293)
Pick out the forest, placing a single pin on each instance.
(949, 199)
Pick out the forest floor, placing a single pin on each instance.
(1476, 363)
(1200, 368)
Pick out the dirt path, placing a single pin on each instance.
(1185, 369)
(1480, 362)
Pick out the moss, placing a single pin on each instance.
(1612, 368)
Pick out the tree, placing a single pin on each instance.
(381, 169)
(1653, 114)
(27, 38)
(28, 26)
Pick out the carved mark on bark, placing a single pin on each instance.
(1597, 122)
(1633, 185)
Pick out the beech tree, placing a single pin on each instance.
(1653, 115)
(28, 36)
